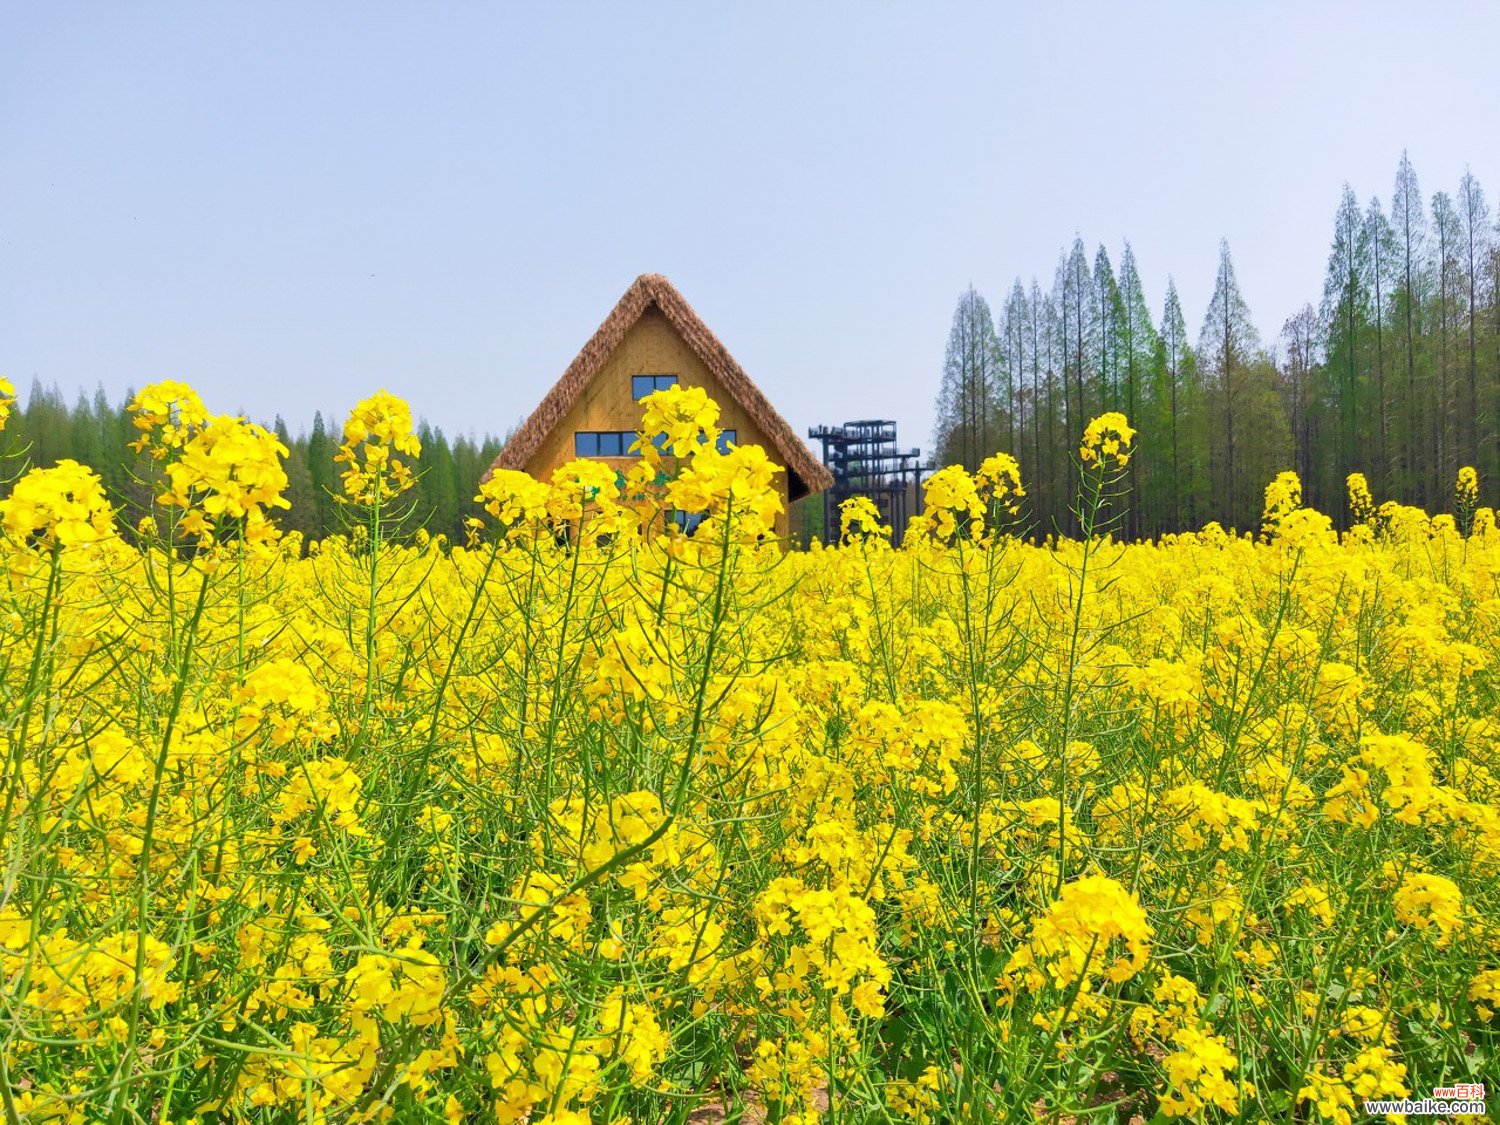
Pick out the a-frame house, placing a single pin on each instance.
(651, 339)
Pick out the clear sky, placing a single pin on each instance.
(292, 204)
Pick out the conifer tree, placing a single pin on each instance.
(1076, 302)
(302, 515)
(1345, 313)
(1300, 337)
(966, 407)
(1447, 268)
(1040, 322)
(1015, 342)
(1137, 352)
(1227, 346)
(1379, 252)
(1408, 220)
(1474, 246)
(324, 477)
(1177, 393)
(1106, 313)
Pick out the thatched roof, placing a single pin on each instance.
(806, 474)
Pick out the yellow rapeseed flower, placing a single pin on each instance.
(63, 506)
(376, 431)
(1107, 439)
(7, 400)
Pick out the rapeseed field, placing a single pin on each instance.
(587, 820)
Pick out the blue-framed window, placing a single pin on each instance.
(688, 521)
(619, 443)
(726, 438)
(643, 385)
(603, 443)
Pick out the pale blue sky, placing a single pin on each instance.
(290, 205)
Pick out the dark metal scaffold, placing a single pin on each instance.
(864, 461)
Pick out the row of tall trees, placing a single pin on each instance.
(1395, 373)
(1402, 374)
(98, 433)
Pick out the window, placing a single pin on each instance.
(643, 385)
(726, 437)
(688, 521)
(603, 443)
(619, 443)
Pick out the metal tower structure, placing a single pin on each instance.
(865, 461)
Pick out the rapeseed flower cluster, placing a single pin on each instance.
(1107, 440)
(221, 476)
(1361, 503)
(63, 506)
(377, 434)
(1283, 497)
(7, 400)
(860, 521)
(611, 815)
(169, 414)
(1466, 488)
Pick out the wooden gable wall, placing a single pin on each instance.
(650, 347)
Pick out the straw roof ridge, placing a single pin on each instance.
(647, 290)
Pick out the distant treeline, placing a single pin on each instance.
(98, 433)
(1395, 373)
